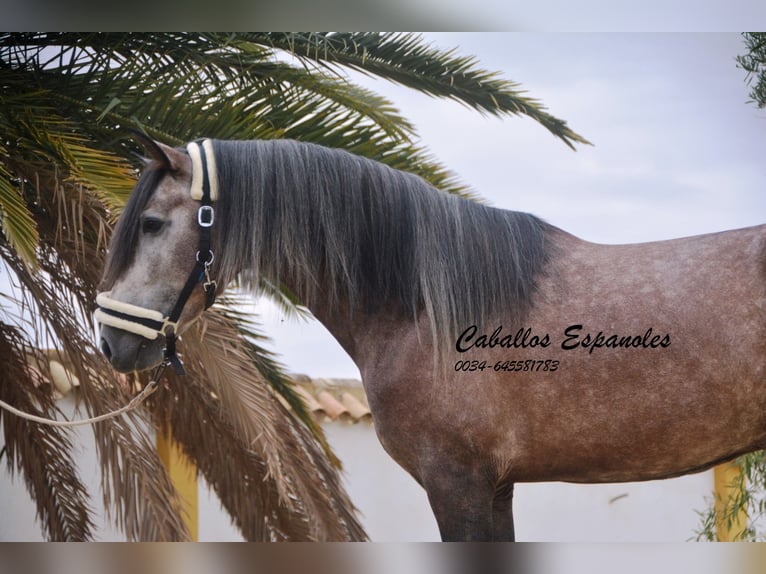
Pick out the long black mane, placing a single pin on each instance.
(368, 235)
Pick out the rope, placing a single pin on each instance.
(134, 403)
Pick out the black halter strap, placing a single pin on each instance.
(201, 271)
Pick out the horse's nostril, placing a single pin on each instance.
(105, 348)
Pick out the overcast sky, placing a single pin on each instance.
(677, 149)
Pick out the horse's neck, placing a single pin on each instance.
(341, 324)
(360, 333)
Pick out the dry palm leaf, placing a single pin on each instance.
(268, 469)
(42, 456)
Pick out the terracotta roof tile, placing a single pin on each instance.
(355, 407)
(308, 399)
(63, 380)
(333, 399)
(332, 407)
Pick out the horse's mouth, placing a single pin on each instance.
(128, 352)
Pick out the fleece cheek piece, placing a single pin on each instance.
(204, 171)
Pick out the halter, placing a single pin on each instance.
(149, 323)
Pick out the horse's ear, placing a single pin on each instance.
(169, 158)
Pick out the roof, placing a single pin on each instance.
(341, 400)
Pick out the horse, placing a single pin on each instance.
(494, 348)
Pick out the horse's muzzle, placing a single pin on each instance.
(128, 352)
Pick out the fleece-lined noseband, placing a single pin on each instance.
(149, 323)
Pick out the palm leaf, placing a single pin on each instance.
(18, 224)
(297, 501)
(42, 456)
(268, 368)
(405, 59)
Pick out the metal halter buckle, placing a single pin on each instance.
(206, 216)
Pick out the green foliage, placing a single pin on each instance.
(749, 497)
(754, 63)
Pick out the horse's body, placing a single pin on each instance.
(612, 415)
(643, 405)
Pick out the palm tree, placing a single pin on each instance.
(66, 169)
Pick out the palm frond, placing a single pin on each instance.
(407, 60)
(269, 370)
(42, 456)
(17, 223)
(753, 62)
(137, 491)
(299, 487)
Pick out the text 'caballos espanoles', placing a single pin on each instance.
(573, 337)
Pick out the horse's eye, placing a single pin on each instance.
(151, 225)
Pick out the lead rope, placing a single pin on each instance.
(131, 406)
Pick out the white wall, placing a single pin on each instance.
(395, 508)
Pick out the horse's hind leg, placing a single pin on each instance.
(462, 505)
(502, 513)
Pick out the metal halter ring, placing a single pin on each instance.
(209, 261)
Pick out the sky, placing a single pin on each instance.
(678, 150)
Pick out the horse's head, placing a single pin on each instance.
(156, 280)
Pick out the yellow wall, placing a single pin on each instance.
(725, 477)
(184, 476)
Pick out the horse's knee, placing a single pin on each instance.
(462, 505)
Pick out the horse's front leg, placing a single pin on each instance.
(502, 513)
(461, 501)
